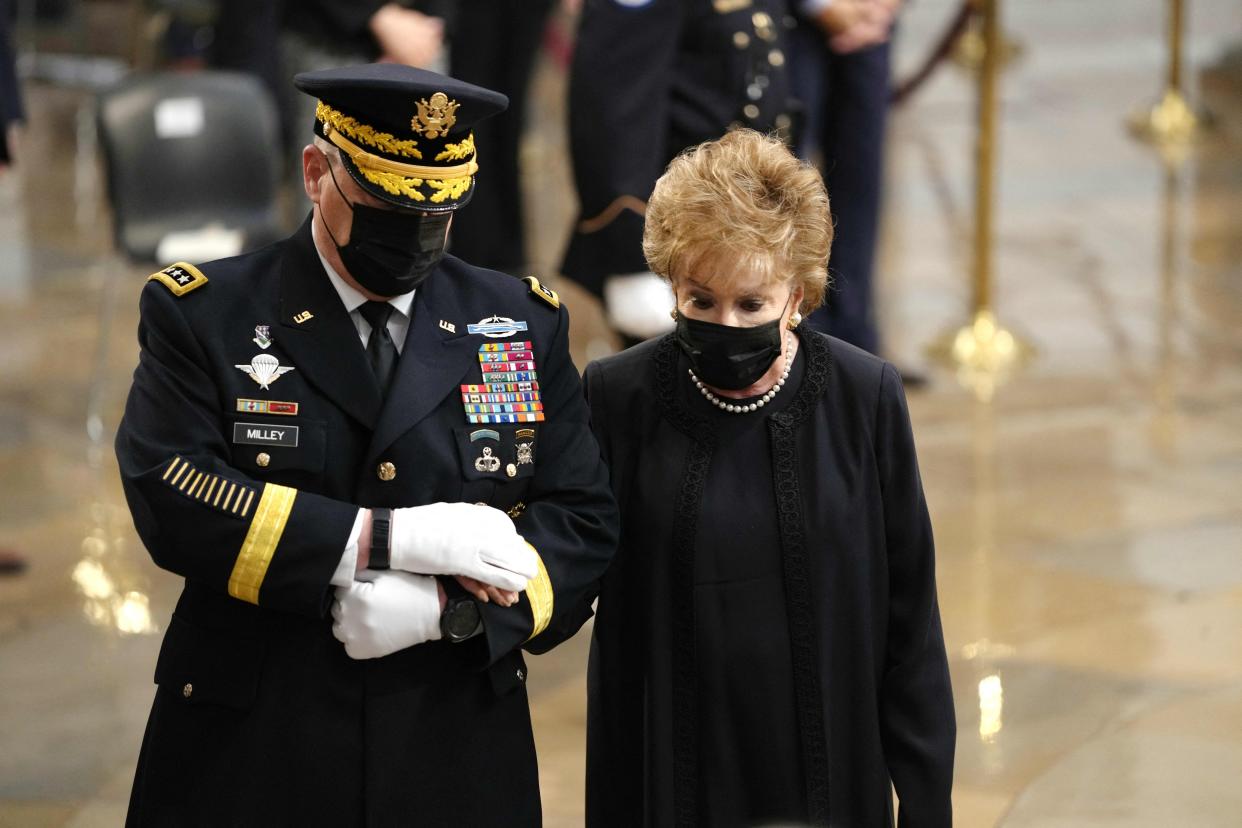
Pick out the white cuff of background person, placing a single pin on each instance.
(638, 304)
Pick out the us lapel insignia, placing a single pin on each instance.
(304, 316)
(445, 325)
(496, 327)
(263, 336)
(264, 369)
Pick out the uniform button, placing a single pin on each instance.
(263, 459)
(188, 690)
(750, 111)
(511, 470)
(741, 40)
(386, 471)
(776, 57)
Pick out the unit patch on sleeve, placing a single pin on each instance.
(180, 278)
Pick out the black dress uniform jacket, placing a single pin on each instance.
(260, 718)
(648, 81)
(873, 698)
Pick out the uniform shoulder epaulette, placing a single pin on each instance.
(180, 278)
(545, 293)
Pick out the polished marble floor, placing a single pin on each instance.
(1088, 511)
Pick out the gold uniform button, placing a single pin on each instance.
(741, 40)
(386, 471)
(263, 459)
(188, 690)
(511, 470)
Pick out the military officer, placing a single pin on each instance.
(649, 79)
(319, 436)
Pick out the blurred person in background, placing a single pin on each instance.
(504, 38)
(649, 79)
(839, 70)
(768, 646)
(11, 117)
(12, 113)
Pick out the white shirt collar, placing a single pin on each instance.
(350, 296)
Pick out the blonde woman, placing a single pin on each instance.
(768, 645)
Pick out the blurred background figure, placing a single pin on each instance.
(839, 70)
(11, 113)
(649, 79)
(10, 119)
(500, 40)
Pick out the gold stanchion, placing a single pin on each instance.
(983, 352)
(1172, 121)
(969, 49)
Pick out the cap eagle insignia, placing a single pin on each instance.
(435, 117)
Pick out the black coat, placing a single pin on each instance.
(870, 672)
(649, 80)
(260, 717)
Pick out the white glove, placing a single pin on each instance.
(461, 539)
(390, 612)
(638, 304)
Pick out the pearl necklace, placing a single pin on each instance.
(733, 408)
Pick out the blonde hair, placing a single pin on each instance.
(743, 198)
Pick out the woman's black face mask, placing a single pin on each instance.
(389, 252)
(727, 357)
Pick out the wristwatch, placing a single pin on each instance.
(381, 529)
(461, 620)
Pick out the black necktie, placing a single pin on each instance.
(381, 352)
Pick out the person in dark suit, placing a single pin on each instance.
(320, 435)
(767, 647)
(649, 79)
(500, 40)
(11, 111)
(839, 69)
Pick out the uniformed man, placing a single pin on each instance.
(351, 407)
(651, 78)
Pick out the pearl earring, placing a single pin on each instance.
(795, 320)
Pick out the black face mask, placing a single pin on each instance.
(727, 357)
(391, 253)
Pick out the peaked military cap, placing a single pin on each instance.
(405, 134)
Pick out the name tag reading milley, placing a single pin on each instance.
(265, 434)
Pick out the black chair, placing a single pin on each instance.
(188, 152)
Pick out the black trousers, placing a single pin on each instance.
(846, 111)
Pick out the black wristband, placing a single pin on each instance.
(381, 526)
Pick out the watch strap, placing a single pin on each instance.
(381, 534)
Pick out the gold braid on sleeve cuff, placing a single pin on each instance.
(270, 517)
(539, 594)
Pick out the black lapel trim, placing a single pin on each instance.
(688, 505)
(799, 596)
